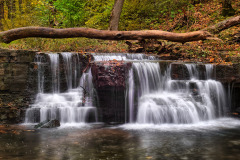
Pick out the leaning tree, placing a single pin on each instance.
(115, 15)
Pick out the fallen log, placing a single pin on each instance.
(225, 24)
(44, 32)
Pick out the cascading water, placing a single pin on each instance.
(121, 57)
(67, 58)
(72, 106)
(39, 60)
(87, 85)
(54, 59)
(154, 96)
(156, 99)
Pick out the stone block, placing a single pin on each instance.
(20, 69)
(179, 71)
(5, 52)
(2, 71)
(225, 73)
(3, 117)
(3, 86)
(25, 56)
(110, 74)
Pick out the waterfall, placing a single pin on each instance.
(67, 58)
(122, 57)
(72, 106)
(161, 99)
(72, 69)
(131, 94)
(54, 59)
(39, 59)
(154, 94)
(209, 71)
(86, 83)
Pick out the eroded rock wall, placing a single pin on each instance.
(109, 80)
(15, 94)
(19, 81)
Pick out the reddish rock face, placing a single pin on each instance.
(110, 74)
(109, 80)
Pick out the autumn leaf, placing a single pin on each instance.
(35, 66)
(149, 157)
(211, 60)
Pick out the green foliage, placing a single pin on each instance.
(75, 13)
(67, 45)
(71, 12)
(61, 13)
(44, 12)
(148, 13)
(136, 14)
(98, 13)
(171, 15)
(18, 13)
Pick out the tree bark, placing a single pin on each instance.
(1, 13)
(44, 32)
(227, 9)
(115, 15)
(217, 28)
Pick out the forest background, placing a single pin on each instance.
(167, 15)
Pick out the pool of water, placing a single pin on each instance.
(214, 140)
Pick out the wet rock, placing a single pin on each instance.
(179, 71)
(238, 110)
(226, 73)
(48, 124)
(15, 77)
(110, 74)
(39, 125)
(51, 124)
(3, 117)
(198, 98)
(109, 79)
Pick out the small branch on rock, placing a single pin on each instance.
(89, 61)
(85, 92)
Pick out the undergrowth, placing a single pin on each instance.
(174, 16)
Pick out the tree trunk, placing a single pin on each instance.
(227, 9)
(44, 32)
(217, 28)
(1, 13)
(115, 15)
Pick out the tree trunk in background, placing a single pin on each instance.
(115, 15)
(227, 9)
(1, 13)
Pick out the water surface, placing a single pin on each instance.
(218, 139)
